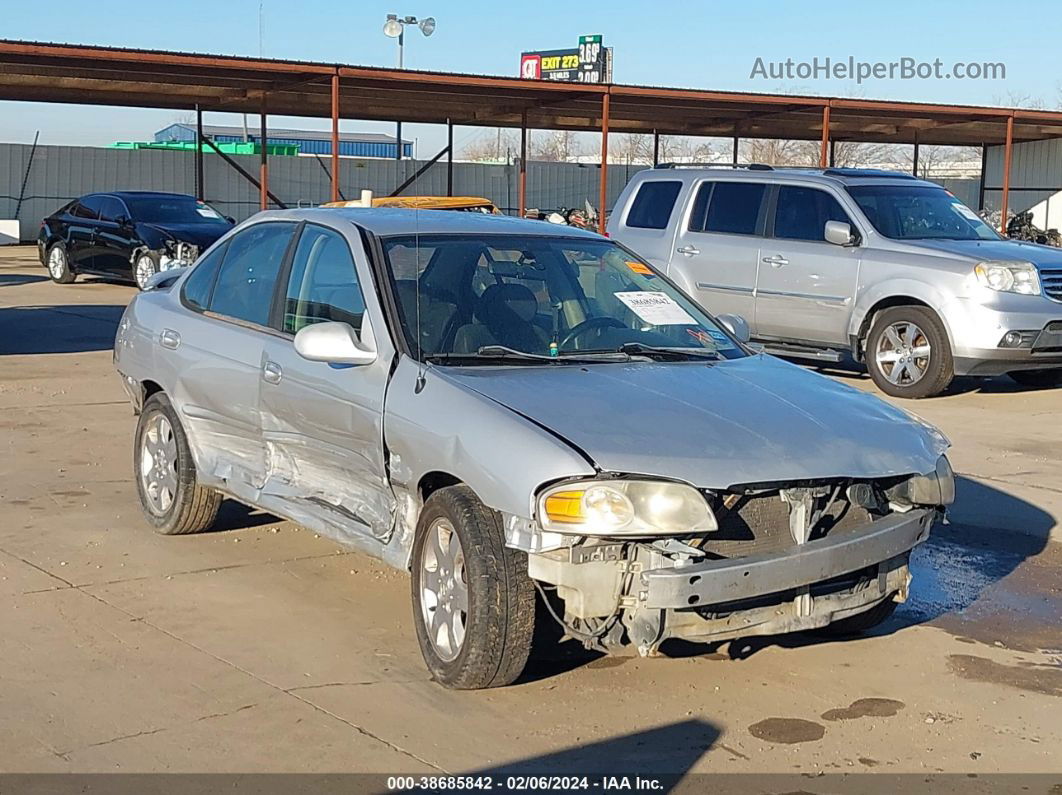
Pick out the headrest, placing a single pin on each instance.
(515, 298)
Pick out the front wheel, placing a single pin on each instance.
(1037, 379)
(145, 265)
(473, 601)
(908, 353)
(59, 265)
(171, 498)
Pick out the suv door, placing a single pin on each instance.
(219, 353)
(806, 286)
(718, 246)
(323, 423)
(114, 245)
(81, 233)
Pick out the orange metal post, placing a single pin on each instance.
(335, 137)
(824, 150)
(522, 187)
(263, 168)
(604, 165)
(1007, 152)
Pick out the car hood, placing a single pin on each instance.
(751, 420)
(1045, 256)
(201, 235)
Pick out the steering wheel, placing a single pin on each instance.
(579, 329)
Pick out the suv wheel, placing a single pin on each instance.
(908, 353)
(59, 265)
(1037, 379)
(473, 602)
(171, 498)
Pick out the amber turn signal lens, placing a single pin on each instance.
(565, 507)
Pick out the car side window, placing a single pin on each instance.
(653, 204)
(734, 208)
(323, 284)
(111, 209)
(802, 213)
(200, 282)
(248, 276)
(88, 207)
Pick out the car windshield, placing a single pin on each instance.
(490, 296)
(919, 212)
(173, 210)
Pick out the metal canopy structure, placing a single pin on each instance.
(47, 72)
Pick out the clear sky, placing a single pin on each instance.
(695, 44)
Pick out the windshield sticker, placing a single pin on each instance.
(206, 212)
(656, 309)
(641, 268)
(965, 212)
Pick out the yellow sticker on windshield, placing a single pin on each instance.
(640, 267)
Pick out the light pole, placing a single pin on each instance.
(395, 27)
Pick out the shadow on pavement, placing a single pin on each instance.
(670, 749)
(73, 328)
(16, 279)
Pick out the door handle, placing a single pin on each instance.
(169, 339)
(776, 261)
(689, 251)
(271, 373)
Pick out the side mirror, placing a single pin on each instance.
(336, 343)
(736, 325)
(840, 234)
(230, 219)
(123, 221)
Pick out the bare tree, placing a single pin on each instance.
(934, 159)
(492, 146)
(779, 152)
(557, 145)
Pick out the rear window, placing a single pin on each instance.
(734, 208)
(653, 204)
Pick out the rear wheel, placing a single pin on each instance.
(859, 623)
(171, 498)
(908, 353)
(59, 265)
(473, 602)
(1037, 379)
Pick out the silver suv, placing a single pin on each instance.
(892, 269)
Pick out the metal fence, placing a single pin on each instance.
(58, 174)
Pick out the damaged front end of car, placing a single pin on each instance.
(625, 563)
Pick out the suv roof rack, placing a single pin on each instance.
(749, 166)
(867, 172)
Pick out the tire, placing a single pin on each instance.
(145, 265)
(171, 498)
(1037, 379)
(897, 335)
(860, 622)
(57, 261)
(488, 640)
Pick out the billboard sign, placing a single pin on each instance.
(590, 62)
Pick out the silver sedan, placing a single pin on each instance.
(517, 413)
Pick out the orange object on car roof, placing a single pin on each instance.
(427, 203)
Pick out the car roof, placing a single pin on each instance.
(761, 173)
(142, 194)
(387, 221)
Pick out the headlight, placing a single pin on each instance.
(625, 507)
(933, 488)
(1009, 277)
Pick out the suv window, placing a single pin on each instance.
(732, 207)
(111, 208)
(200, 282)
(652, 205)
(323, 284)
(802, 213)
(248, 276)
(88, 207)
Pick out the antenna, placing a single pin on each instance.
(420, 348)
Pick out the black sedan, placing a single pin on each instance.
(127, 234)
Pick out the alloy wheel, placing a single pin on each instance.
(158, 464)
(57, 262)
(444, 589)
(903, 353)
(144, 270)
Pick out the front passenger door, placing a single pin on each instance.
(321, 422)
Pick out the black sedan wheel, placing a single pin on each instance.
(145, 265)
(59, 265)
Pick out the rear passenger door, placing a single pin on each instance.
(81, 234)
(323, 423)
(220, 353)
(647, 227)
(718, 246)
(806, 286)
